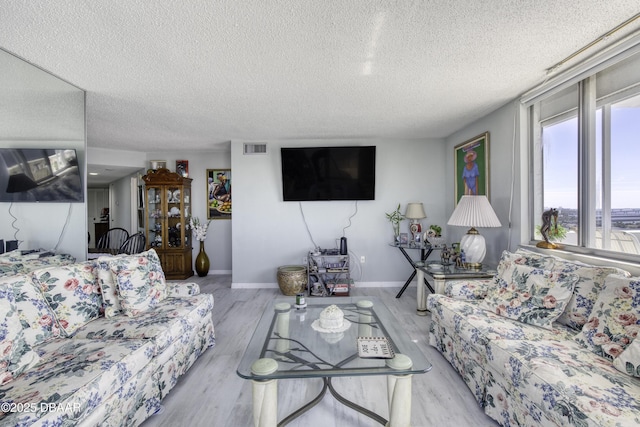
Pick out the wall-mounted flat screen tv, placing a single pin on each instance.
(40, 175)
(328, 173)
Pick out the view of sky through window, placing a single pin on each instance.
(560, 176)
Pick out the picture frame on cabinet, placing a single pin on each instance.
(471, 166)
(182, 168)
(158, 164)
(219, 194)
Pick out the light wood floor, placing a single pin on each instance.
(212, 394)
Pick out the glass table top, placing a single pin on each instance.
(287, 336)
(451, 271)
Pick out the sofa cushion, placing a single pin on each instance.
(140, 280)
(77, 375)
(530, 295)
(166, 323)
(108, 287)
(615, 318)
(567, 383)
(72, 293)
(590, 281)
(36, 317)
(15, 354)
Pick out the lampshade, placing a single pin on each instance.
(415, 211)
(474, 211)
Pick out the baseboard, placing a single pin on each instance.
(236, 285)
(219, 272)
(381, 284)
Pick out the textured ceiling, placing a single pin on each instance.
(195, 74)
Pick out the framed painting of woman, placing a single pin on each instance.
(471, 165)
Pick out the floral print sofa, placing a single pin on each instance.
(546, 342)
(96, 343)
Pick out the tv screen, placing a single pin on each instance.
(328, 173)
(39, 175)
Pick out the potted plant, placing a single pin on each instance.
(434, 235)
(395, 218)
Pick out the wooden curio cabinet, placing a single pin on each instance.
(167, 213)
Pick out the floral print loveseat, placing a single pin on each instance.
(546, 342)
(96, 343)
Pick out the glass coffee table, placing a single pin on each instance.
(286, 345)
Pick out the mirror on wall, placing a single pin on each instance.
(39, 111)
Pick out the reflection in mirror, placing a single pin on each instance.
(41, 111)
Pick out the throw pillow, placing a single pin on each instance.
(15, 354)
(107, 283)
(590, 281)
(72, 293)
(534, 259)
(141, 282)
(510, 260)
(629, 360)
(615, 319)
(38, 321)
(531, 295)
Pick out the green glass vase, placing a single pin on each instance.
(202, 262)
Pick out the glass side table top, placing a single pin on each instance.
(452, 272)
(286, 335)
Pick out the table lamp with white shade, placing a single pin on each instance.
(474, 211)
(415, 212)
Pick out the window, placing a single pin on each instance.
(586, 160)
(560, 173)
(618, 208)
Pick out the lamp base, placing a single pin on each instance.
(474, 248)
(473, 265)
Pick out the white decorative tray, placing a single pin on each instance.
(375, 347)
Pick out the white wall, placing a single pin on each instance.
(120, 202)
(268, 232)
(503, 127)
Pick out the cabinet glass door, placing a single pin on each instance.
(174, 217)
(186, 200)
(154, 224)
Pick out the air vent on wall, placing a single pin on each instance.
(255, 148)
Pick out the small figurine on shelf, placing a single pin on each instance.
(445, 255)
(457, 259)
